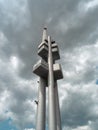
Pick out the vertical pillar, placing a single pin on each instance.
(40, 125)
(51, 96)
(44, 37)
(58, 117)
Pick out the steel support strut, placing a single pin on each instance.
(40, 125)
(51, 100)
(58, 117)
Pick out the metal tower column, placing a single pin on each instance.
(51, 98)
(58, 117)
(40, 125)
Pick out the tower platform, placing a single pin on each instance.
(41, 69)
(43, 51)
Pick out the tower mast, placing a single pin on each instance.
(40, 124)
(49, 72)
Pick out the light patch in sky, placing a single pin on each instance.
(29, 129)
(78, 128)
(62, 26)
(83, 57)
(82, 128)
(14, 62)
(69, 73)
(3, 104)
(13, 12)
(3, 39)
(96, 45)
(90, 5)
(79, 68)
(49, 20)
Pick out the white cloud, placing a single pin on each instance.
(78, 128)
(4, 112)
(13, 12)
(78, 91)
(17, 94)
(91, 4)
(14, 61)
(29, 129)
(80, 64)
(3, 39)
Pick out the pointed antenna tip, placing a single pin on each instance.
(45, 28)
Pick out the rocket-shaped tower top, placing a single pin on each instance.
(41, 67)
(44, 36)
(43, 47)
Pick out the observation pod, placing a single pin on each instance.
(55, 51)
(41, 69)
(43, 50)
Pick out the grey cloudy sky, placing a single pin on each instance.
(74, 25)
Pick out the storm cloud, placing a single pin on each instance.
(74, 26)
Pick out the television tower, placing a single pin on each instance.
(49, 72)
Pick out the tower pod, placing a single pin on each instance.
(57, 71)
(43, 50)
(41, 69)
(55, 51)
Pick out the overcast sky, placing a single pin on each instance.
(74, 26)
